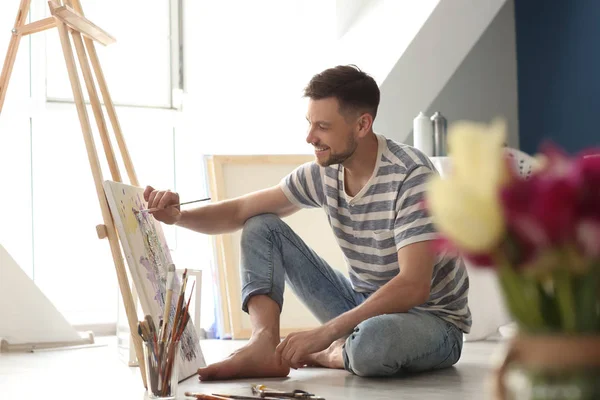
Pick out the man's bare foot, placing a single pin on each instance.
(257, 359)
(331, 357)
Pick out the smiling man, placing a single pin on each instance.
(404, 307)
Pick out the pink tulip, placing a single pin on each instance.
(558, 162)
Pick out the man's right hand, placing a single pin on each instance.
(164, 200)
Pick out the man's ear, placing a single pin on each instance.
(365, 123)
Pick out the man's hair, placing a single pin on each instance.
(355, 90)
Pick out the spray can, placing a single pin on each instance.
(423, 134)
(440, 126)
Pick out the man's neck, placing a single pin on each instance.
(359, 168)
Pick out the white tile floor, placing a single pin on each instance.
(100, 373)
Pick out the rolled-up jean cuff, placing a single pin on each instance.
(253, 290)
(346, 359)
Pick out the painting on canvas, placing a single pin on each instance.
(148, 258)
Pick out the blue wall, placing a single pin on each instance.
(558, 72)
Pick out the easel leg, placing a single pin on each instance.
(84, 62)
(112, 115)
(108, 103)
(97, 174)
(96, 107)
(11, 53)
(110, 109)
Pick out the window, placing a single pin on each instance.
(72, 266)
(137, 67)
(15, 160)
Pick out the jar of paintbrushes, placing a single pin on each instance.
(162, 344)
(162, 369)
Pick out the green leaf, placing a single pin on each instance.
(522, 296)
(587, 298)
(566, 300)
(549, 309)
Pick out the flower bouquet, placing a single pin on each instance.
(541, 234)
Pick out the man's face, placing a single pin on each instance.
(332, 136)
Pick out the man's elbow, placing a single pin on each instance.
(422, 294)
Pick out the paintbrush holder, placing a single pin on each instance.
(162, 369)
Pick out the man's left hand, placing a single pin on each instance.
(295, 348)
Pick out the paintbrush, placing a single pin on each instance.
(152, 328)
(264, 391)
(203, 396)
(141, 332)
(186, 315)
(239, 397)
(169, 296)
(180, 302)
(175, 328)
(151, 210)
(144, 331)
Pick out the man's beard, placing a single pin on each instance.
(341, 157)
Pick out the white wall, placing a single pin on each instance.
(485, 85)
(430, 60)
(244, 90)
(379, 33)
(347, 11)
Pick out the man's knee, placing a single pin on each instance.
(367, 349)
(260, 225)
(388, 344)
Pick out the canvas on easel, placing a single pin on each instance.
(148, 257)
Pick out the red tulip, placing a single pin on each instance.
(586, 171)
(588, 237)
(541, 209)
(478, 260)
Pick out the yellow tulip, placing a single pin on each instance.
(477, 154)
(466, 206)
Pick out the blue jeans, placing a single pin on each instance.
(272, 254)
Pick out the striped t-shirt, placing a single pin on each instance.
(386, 215)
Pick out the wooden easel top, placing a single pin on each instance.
(72, 16)
(73, 19)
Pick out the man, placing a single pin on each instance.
(404, 307)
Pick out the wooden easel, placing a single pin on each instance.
(68, 18)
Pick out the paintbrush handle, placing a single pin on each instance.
(166, 314)
(194, 201)
(151, 210)
(203, 396)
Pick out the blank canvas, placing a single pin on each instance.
(232, 176)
